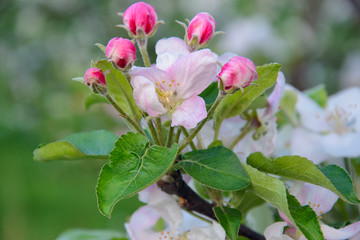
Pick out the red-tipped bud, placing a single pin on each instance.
(140, 19)
(94, 75)
(121, 52)
(200, 30)
(237, 73)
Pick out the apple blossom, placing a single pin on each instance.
(200, 30)
(140, 19)
(174, 91)
(94, 75)
(237, 74)
(321, 200)
(121, 52)
(181, 225)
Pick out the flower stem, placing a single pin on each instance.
(202, 123)
(152, 131)
(170, 136)
(142, 44)
(186, 133)
(243, 133)
(123, 114)
(159, 131)
(177, 136)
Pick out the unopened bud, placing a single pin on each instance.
(121, 52)
(237, 74)
(140, 19)
(94, 75)
(200, 30)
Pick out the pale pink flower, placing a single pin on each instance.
(321, 200)
(94, 75)
(121, 52)
(174, 90)
(180, 225)
(200, 30)
(237, 74)
(140, 18)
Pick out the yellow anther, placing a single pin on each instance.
(157, 83)
(163, 81)
(172, 81)
(178, 84)
(170, 85)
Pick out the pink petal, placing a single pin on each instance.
(342, 233)
(189, 113)
(139, 226)
(168, 50)
(193, 72)
(275, 96)
(143, 81)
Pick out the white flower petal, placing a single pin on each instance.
(168, 50)
(189, 113)
(213, 232)
(345, 145)
(275, 232)
(342, 233)
(193, 73)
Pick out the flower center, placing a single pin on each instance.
(166, 92)
(168, 236)
(316, 207)
(341, 119)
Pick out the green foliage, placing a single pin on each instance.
(92, 99)
(249, 201)
(230, 219)
(87, 145)
(84, 234)
(210, 93)
(119, 89)
(274, 192)
(318, 94)
(287, 106)
(299, 168)
(134, 165)
(235, 104)
(305, 219)
(216, 167)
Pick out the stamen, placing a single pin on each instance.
(170, 85)
(178, 84)
(172, 81)
(163, 81)
(157, 83)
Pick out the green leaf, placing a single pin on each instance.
(274, 192)
(119, 89)
(287, 106)
(92, 99)
(210, 93)
(101, 47)
(234, 104)
(299, 168)
(216, 167)
(230, 219)
(249, 201)
(86, 145)
(318, 94)
(259, 102)
(134, 165)
(79, 79)
(85, 234)
(305, 218)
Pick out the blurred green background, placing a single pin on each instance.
(45, 43)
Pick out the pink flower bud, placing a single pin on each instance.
(94, 75)
(201, 29)
(237, 73)
(140, 18)
(121, 51)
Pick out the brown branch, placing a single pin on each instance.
(191, 201)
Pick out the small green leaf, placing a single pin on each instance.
(249, 201)
(305, 219)
(79, 79)
(216, 167)
(234, 104)
(299, 168)
(318, 94)
(87, 145)
(230, 219)
(101, 47)
(119, 89)
(134, 165)
(259, 102)
(86, 234)
(210, 93)
(274, 192)
(92, 99)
